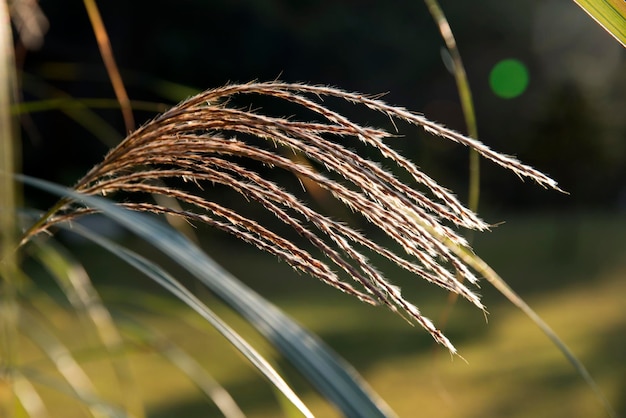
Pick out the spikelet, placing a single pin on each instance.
(204, 140)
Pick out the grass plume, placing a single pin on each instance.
(206, 139)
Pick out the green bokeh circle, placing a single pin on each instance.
(508, 78)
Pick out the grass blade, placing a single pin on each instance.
(28, 397)
(496, 281)
(75, 109)
(465, 96)
(60, 386)
(168, 90)
(328, 373)
(77, 287)
(187, 365)
(167, 281)
(610, 14)
(63, 103)
(9, 143)
(467, 105)
(65, 363)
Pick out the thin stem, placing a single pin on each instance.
(9, 152)
(465, 95)
(109, 61)
(37, 226)
(496, 281)
(467, 105)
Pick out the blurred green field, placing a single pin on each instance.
(571, 268)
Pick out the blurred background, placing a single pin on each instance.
(560, 107)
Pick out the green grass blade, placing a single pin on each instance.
(28, 397)
(68, 103)
(465, 96)
(332, 376)
(188, 365)
(496, 281)
(325, 370)
(60, 386)
(467, 105)
(9, 151)
(167, 281)
(79, 112)
(65, 363)
(610, 14)
(475, 262)
(66, 71)
(77, 287)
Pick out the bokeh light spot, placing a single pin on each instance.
(509, 78)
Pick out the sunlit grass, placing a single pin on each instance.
(68, 360)
(512, 369)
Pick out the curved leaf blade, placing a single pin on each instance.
(76, 285)
(610, 14)
(167, 281)
(326, 371)
(188, 365)
(67, 366)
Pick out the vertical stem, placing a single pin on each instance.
(467, 105)
(465, 95)
(8, 197)
(109, 62)
(474, 180)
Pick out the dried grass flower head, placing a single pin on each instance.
(206, 140)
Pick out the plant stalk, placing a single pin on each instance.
(465, 96)
(9, 153)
